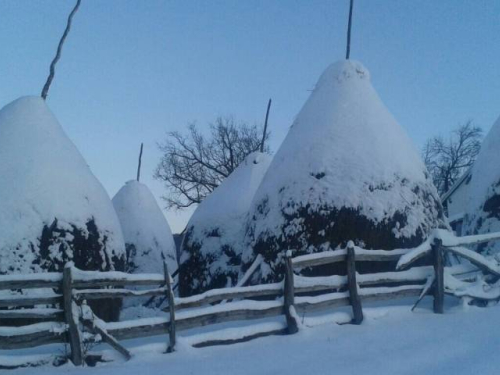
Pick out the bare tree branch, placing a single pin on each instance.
(193, 164)
(447, 160)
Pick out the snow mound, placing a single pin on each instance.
(147, 235)
(214, 240)
(483, 207)
(346, 171)
(52, 208)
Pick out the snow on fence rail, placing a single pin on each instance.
(445, 282)
(335, 256)
(69, 316)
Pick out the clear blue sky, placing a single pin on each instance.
(132, 70)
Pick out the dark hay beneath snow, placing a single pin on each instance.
(479, 223)
(195, 275)
(330, 228)
(86, 247)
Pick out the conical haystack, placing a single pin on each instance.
(214, 240)
(147, 235)
(346, 171)
(483, 207)
(52, 208)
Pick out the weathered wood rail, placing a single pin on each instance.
(438, 245)
(54, 300)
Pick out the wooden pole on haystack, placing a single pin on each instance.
(348, 51)
(139, 165)
(265, 126)
(52, 72)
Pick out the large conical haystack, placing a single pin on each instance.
(483, 207)
(147, 235)
(345, 171)
(52, 208)
(214, 240)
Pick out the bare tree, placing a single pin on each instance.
(448, 159)
(194, 164)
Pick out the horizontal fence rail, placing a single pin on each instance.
(31, 281)
(335, 256)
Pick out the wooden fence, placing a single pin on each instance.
(71, 321)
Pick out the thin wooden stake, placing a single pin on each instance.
(289, 299)
(354, 298)
(139, 165)
(349, 25)
(265, 127)
(437, 251)
(171, 307)
(75, 336)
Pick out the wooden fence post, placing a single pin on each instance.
(437, 252)
(288, 294)
(171, 307)
(354, 298)
(75, 336)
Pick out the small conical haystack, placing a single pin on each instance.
(147, 235)
(214, 240)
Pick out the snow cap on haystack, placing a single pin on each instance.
(147, 235)
(214, 240)
(52, 208)
(345, 171)
(483, 207)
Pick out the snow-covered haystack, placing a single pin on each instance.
(346, 171)
(52, 208)
(483, 207)
(214, 240)
(147, 235)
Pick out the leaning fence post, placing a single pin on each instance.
(437, 253)
(354, 298)
(292, 325)
(75, 336)
(171, 307)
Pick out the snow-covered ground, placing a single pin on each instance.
(391, 340)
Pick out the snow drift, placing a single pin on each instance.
(52, 208)
(345, 171)
(483, 206)
(147, 235)
(214, 240)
